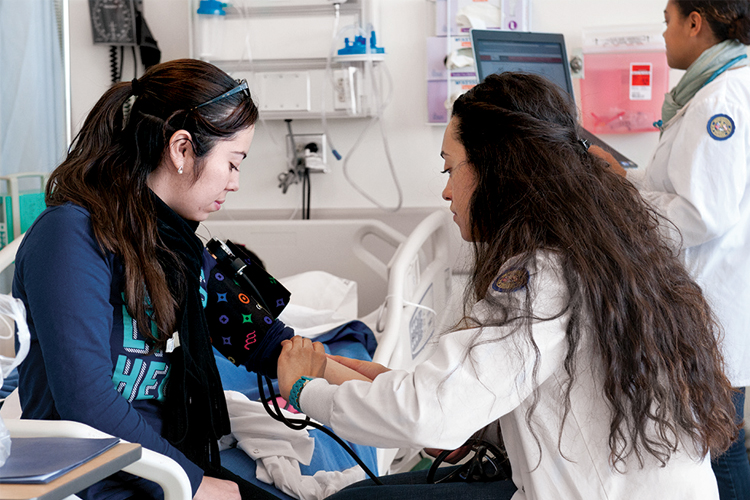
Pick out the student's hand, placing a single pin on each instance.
(604, 155)
(217, 489)
(299, 356)
(366, 368)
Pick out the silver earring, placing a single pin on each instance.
(179, 170)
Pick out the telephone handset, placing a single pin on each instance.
(121, 23)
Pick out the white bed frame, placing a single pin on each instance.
(404, 282)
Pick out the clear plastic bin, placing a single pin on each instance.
(625, 78)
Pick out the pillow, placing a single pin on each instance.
(320, 301)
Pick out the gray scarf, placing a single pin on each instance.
(698, 74)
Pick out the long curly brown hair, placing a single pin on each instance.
(539, 189)
(107, 167)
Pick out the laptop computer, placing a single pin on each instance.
(496, 51)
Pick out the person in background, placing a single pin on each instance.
(699, 179)
(111, 274)
(583, 335)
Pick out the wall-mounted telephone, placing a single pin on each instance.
(121, 23)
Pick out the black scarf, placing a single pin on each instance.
(195, 414)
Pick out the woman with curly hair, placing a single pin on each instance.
(583, 336)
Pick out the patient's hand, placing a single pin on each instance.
(366, 368)
(299, 356)
(211, 488)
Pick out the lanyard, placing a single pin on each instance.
(724, 68)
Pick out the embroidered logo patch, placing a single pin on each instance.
(721, 127)
(511, 280)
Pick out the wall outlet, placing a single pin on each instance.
(344, 89)
(311, 151)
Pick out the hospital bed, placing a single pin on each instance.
(403, 282)
(404, 296)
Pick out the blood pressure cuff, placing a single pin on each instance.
(265, 288)
(242, 329)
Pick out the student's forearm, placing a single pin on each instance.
(336, 373)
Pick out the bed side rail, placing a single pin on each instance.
(355, 249)
(419, 290)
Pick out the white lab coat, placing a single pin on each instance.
(447, 398)
(702, 185)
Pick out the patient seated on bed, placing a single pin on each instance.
(246, 337)
(243, 311)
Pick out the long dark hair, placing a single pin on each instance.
(728, 19)
(109, 162)
(538, 189)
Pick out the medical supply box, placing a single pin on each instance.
(625, 78)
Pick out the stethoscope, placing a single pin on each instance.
(659, 124)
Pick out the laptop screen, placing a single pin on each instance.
(544, 54)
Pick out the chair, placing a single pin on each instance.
(152, 466)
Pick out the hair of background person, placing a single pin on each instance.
(728, 19)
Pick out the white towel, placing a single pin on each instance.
(278, 451)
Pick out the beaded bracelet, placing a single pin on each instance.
(294, 394)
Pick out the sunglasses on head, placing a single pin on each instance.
(241, 87)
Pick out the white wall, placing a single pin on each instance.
(415, 145)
